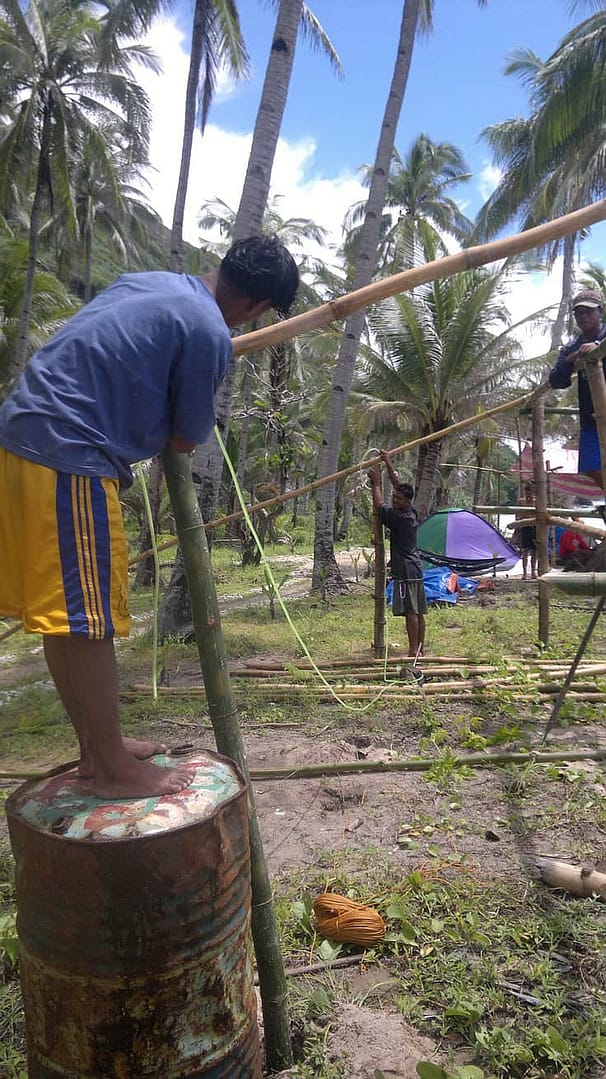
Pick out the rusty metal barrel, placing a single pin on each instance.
(134, 929)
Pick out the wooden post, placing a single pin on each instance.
(540, 494)
(379, 594)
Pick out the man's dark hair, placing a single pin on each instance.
(405, 489)
(263, 268)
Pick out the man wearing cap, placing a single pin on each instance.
(588, 308)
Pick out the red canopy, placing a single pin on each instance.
(563, 476)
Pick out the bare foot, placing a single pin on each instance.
(137, 748)
(142, 750)
(134, 778)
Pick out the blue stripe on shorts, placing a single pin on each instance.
(85, 552)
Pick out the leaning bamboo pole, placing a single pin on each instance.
(228, 737)
(467, 259)
(343, 473)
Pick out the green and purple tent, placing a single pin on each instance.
(465, 542)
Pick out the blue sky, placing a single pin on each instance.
(456, 86)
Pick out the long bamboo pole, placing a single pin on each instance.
(379, 588)
(549, 509)
(406, 447)
(566, 522)
(467, 259)
(422, 764)
(228, 736)
(573, 666)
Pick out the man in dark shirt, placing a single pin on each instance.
(401, 519)
(588, 308)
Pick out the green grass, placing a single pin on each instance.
(509, 974)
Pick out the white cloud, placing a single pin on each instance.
(488, 179)
(219, 158)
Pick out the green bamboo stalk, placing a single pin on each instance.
(379, 592)
(423, 764)
(228, 737)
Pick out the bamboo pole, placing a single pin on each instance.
(565, 522)
(379, 590)
(549, 509)
(578, 584)
(573, 666)
(540, 495)
(228, 736)
(422, 764)
(406, 447)
(597, 384)
(467, 259)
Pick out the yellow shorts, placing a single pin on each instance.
(63, 553)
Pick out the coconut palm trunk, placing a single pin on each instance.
(189, 126)
(424, 495)
(208, 460)
(34, 232)
(326, 571)
(249, 218)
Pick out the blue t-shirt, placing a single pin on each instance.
(137, 365)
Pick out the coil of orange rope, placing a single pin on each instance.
(342, 919)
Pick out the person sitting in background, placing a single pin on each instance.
(574, 550)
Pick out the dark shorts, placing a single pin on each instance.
(589, 450)
(527, 538)
(409, 598)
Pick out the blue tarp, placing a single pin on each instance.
(437, 582)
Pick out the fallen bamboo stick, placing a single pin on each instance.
(9, 632)
(361, 674)
(422, 764)
(583, 881)
(467, 259)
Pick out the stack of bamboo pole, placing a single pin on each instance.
(450, 678)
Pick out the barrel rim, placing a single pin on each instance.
(12, 814)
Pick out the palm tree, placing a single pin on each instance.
(325, 567)
(293, 15)
(108, 205)
(418, 191)
(55, 86)
(440, 358)
(51, 306)
(216, 41)
(415, 13)
(553, 161)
